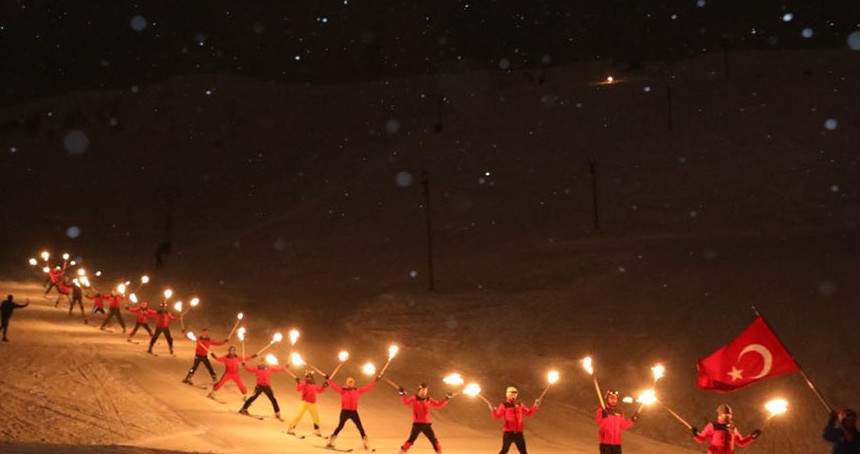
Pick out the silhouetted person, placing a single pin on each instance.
(841, 432)
(6, 309)
(78, 298)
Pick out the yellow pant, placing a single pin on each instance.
(303, 407)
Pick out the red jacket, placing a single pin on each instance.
(99, 300)
(162, 319)
(263, 373)
(143, 314)
(55, 275)
(349, 396)
(203, 344)
(513, 414)
(114, 300)
(611, 426)
(421, 407)
(309, 391)
(722, 439)
(231, 363)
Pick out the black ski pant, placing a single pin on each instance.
(267, 390)
(114, 312)
(77, 300)
(516, 438)
(97, 309)
(610, 449)
(419, 428)
(205, 360)
(352, 415)
(167, 336)
(4, 324)
(137, 325)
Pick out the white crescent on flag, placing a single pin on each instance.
(766, 356)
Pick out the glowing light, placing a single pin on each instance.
(85, 280)
(178, 306)
(167, 294)
(46, 269)
(194, 302)
(45, 255)
(392, 352)
(190, 335)
(272, 359)
(297, 360)
(343, 356)
(82, 272)
(658, 372)
(647, 397)
(121, 288)
(144, 279)
(454, 379)
(776, 407)
(552, 376)
(586, 363)
(241, 334)
(627, 400)
(610, 79)
(73, 263)
(472, 389)
(294, 336)
(368, 369)
(98, 273)
(240, 316)
(33, 262)
(66, 256)
(133, 298)
(277, 337)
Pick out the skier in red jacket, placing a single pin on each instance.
(421, 404)
(55, 276)
(722, 435)
(309, 389)
(349, 395)
(204, 343)
(264, 386)
(610, 423)
(513, 412)
(114, 300)
(142, 315)
(231, 371)
(162, 325)
(98, 302)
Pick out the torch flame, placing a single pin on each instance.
(46, 269)
(45, 256)
(472, 389)
(133, 298)
(194, 302)
(240, 316)
(586, 363)
(552, 376)
(33, 262)
(144, 279)
(776, 407)
(178, 306)
(272, 359)
(66, 256)
(392, 352)
(121, 288)
(98, 273)
(277, 337)
(167, 294)
(658, 372)
(343, 356)
(294, 336)
(82, 272)
(627, 400)
(190, 335)
(73, 263)
(647, 397)
(85, 281)
(241, 333)
(297, 360)
(454, 379)
(369, 369)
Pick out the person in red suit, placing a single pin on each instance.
(142, 315)
(309, 389)
(231, 371)
(611, 422)
(264, 385)
(349, 395)
(204, 343)
(721, 435)
(513, 412)
(421, 404)
(113, 311)
(162, 325)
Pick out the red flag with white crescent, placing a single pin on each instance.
(755, 355)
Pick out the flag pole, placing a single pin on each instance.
(799, 367)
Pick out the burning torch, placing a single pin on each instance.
(392, 352)
(342, 357)
(178, 308)
(190, 335)
(241, 335)
(474, 390)
(775, 407)
(551, 378)
(586, 363)
(239, 318)
(276, 338)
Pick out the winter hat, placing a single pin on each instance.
(511, 390)
(232, 349)
(846, 413)
(422, 386)
(724, 409)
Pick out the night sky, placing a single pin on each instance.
(52, 46)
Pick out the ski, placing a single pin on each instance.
(258, 418)
(332, 448)
(217, 400)
(299, 436)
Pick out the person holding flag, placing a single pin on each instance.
(263, 371)
(513, 412)
(201, 356)
(841, 432)
(349, 395)
(721, 435)
(309, 389)
(611, 422)
(421, 404)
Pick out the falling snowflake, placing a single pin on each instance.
(76, 142)
(138, 23)
(73, 232)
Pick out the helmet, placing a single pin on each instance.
(846, 413)
(232, 349)
(511, 390)
(724, 409)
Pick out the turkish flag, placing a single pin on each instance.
(755, 355)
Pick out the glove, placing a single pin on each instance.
(226, 340)
(604, 414)
(298, 380)
(183, 331)
(833, 417)
(635, 417)
(537, 402)
(212, 354)
(449, 396)
(695, 431)
(401, 391)
(378, 377)
(326, 376)
(491, 407)
(243, 363)
(756, 433)
(254, 355)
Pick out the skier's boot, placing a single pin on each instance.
(405, 447)
(316, 431)
(366, 443)
(291, 430)
(437, 447)
(331, 440)
(243, 411)
(214, 380)
(278, 416)
(211, 395)
(187, 380)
